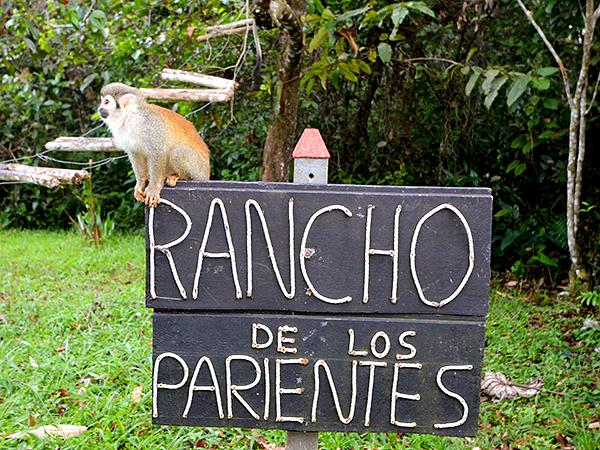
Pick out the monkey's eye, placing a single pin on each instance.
(105, 101)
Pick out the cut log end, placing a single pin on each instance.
(49, 177)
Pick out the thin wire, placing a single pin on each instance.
(199, 109)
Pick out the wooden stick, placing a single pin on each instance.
(228, 26)
(76, 144)
(45, 176)
(206, 37)
(198, 78)
(192, 95)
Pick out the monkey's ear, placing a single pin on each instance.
(127, 100)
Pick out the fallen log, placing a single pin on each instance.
(45, 176)
(83, 144)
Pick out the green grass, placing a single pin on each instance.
(75, 340)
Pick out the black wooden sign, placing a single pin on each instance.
(338, 308)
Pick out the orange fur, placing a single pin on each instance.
(183, 129)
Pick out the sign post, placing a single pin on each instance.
(311, 165)
(314, 307)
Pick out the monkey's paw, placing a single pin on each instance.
(152, 199)
(171, 180)
(139, 196)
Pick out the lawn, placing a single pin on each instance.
(76, 343)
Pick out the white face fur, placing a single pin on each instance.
(109, 109)
(114, 113)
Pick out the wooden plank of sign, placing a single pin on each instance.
(443, 249)
(404, 375)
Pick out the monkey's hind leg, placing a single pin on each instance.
(172, 180)
(157, 171)
(138, 162)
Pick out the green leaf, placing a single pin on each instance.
(346, 71)
(421, 7)
(540, 83)
(364, 66)
(490, 75)
(518, 167)
(87, 81)
(546, 71)
(318, 38)
(519, 141)
(544, 259)
(551, 103)
(398, 15)
(309, 86)
(353, 13)
(30, 45)
(471, 83)
(471, 53)
(327, 14)
(465, 70)
(494, 89)
(518, 86)
(385, 52)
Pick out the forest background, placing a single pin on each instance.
(448, 93)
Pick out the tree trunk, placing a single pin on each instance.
(577, 137)
(282, 129)
(577, 133)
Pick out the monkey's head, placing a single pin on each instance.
(116, 99)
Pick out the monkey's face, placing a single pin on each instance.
(113, 108)
(109, 108)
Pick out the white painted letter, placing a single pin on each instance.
(260, 326)
(228, 254)
(214, 387)
(371, 251)
(386, 348)
(165, 248)
(413, 350)
(396, 395)
(281, 339)
(351, 350)
(233, 389)
(156, 385)
(279, 390)
(303, 254)
(413, 251)
(336, 401)
(372, 365)
(267, 236)
(445, 390)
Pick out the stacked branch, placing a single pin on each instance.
(81, 144)
(241, 26)
(44, 176)
(191, 95)
(200, 79)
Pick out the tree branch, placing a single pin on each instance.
(45, 176)
(593, 95)
(557, 58)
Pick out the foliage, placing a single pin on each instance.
(76, 343)
(423, 93)
(91, 224)
(590, 298)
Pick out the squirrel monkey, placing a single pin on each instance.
(162, 145)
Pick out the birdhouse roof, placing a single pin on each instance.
(311, 145)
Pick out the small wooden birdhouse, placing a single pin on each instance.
(311, 158)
